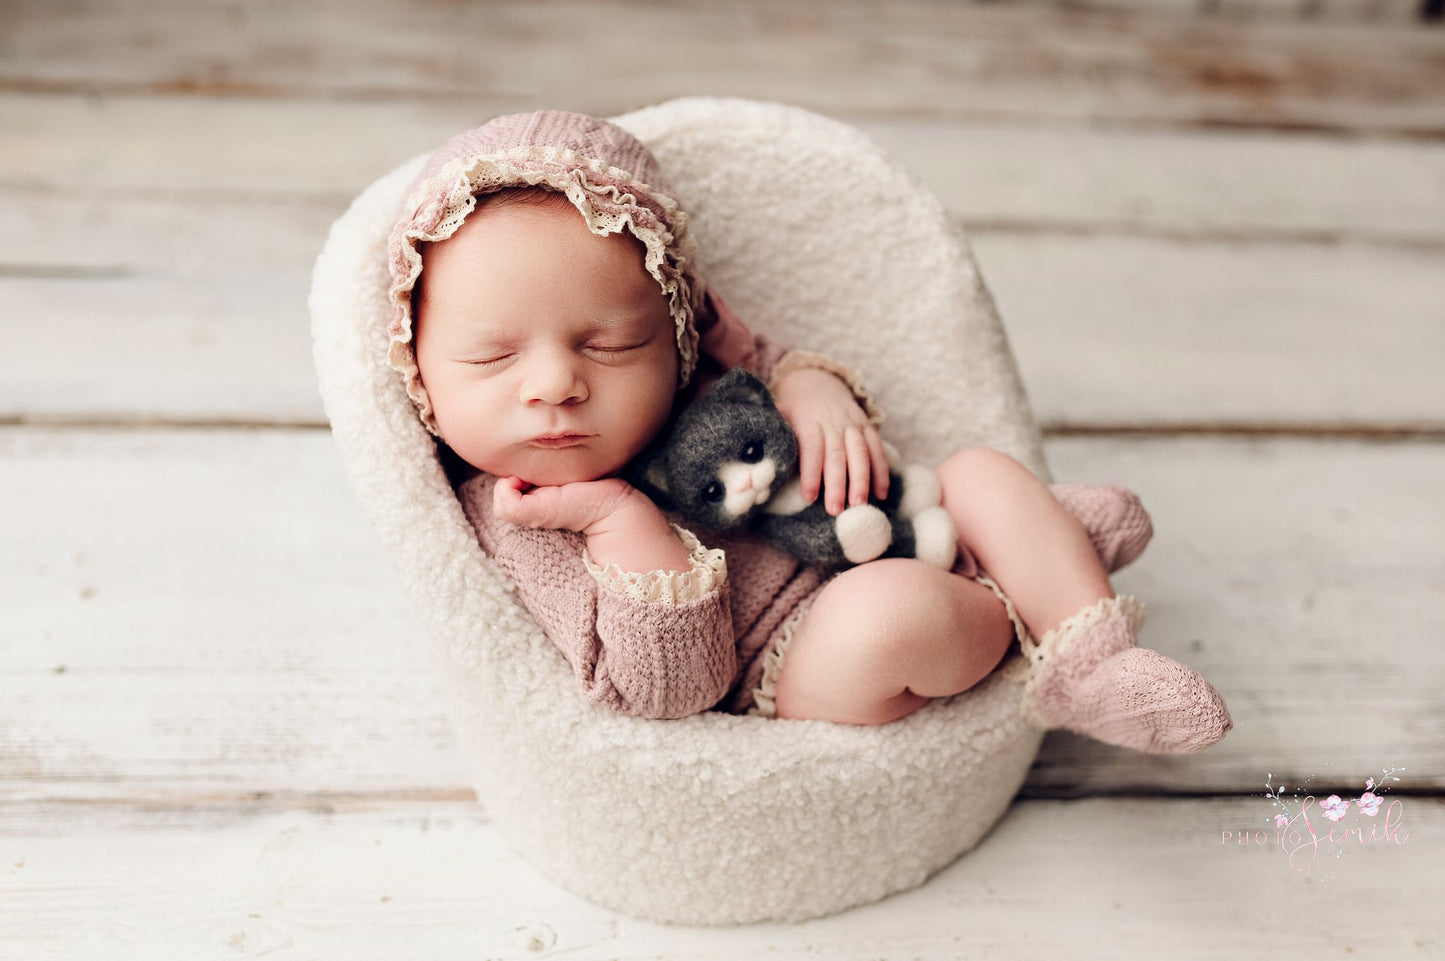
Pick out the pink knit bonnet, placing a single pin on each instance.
(607, 174)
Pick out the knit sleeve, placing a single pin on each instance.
(668, 652)
(730, 343)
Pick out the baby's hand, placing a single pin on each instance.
(622, 526)
(573, 507)
(838, 448)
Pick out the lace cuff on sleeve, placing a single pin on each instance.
(803, 359)
(709, 570)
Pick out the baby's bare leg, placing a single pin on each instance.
(1022, 536)
(884, 637)
(1089, 675)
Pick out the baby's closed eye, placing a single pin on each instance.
(611, 348)
(484, 351)
(616, 349)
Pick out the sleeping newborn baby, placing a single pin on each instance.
(549, 321)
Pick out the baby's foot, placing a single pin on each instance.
(1089, 677)
(1116, 521)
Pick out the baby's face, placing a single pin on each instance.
(548, 351)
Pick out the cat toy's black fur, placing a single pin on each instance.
(731, 461)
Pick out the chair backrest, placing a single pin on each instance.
(814, 235)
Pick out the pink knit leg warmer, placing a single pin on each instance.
(1116, 521)
(1089, 677)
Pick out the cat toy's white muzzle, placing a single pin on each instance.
(746, 485)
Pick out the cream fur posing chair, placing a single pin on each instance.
(812, 234)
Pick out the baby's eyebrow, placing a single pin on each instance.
(622, 320)
(472, 338)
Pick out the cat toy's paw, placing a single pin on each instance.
(863, 532)
(934, 539)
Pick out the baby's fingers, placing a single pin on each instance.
(508, 500)
(879, 460)
(518, 502)
(835, 471)
(810, 462)
(573, 507)
(860, 465)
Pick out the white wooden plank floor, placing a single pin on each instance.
(1215, 232)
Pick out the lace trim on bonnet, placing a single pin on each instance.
(596, 189)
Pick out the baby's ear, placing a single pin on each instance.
(742, 386)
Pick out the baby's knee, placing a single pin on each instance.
(883, 638)
(975, 466)
(842, 663)
(881, 602)
(887, 611)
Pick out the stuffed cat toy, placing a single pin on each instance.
(731, 461)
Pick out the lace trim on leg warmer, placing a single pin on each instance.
(1054, 643)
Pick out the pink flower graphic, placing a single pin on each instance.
(1334, 807)
(1369, 803)
(1281, 820)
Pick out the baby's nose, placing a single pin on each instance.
(553, 381)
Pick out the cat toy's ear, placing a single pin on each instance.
(742, 386)
(648, 473)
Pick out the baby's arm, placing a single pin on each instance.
(622, 526)
(655, 644)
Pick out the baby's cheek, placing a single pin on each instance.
(469, 422)
(655, 425)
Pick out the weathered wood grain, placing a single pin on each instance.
(428, 878)
(280, 155)
(1107, 252)
(1216, 185)
(203, 610)
(1408, 11)
(188, 605)
(1135, 65)
(1141, 332)
(854, 58)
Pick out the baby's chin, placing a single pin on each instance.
(556, 468)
